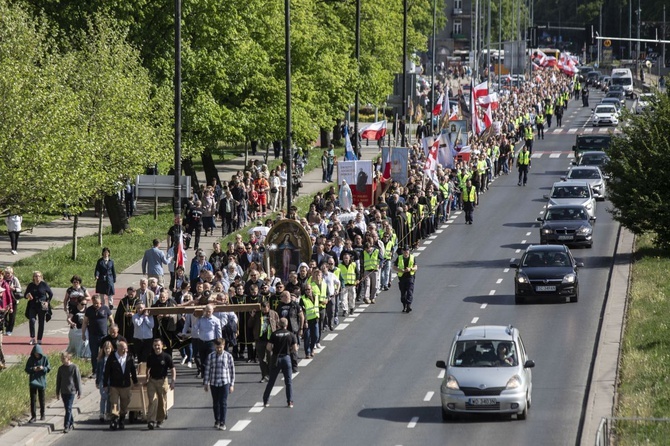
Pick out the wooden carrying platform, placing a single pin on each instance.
(199, 309)
(139, 399)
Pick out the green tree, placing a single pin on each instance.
(638, 166)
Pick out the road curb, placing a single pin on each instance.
(603, 381)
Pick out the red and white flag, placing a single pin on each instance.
(481, 90)
(488, 120)
(376, 131)
(430, 166)
(180, 251)
(437, 109)
(445, 105)
(386, 174)
(540, 57)
(489, 100)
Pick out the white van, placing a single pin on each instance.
(623, 77)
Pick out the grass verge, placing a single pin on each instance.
(644, 389)
(14, 392)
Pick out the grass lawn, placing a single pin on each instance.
(14, 392)
(644, 389)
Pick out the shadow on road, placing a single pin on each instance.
(403, 414)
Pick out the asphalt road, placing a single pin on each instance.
(376, 383)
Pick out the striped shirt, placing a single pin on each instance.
(220, 370)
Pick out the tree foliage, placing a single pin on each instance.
(638, 168)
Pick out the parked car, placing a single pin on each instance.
(576, 192)
(546, 271)
(605, 115)
(644, 101)
(567, 225)
(590, 174)
(487, 371)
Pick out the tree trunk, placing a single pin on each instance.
(209, 166)
(325, 138)
(187, 165)
(116, 213)
(267, 152)
(75, 223)
(100, 216)
(246, 153)
(337, 134)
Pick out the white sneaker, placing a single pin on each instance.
(183, 361)
(189, 365)
(14, 252)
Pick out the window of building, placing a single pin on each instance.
(458, 4)
(458, 27)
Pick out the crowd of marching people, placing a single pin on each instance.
(355, 252)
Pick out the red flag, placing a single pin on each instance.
(488, 120)
(481, 90)
(180, 250)
(437, 109)
(386, 175)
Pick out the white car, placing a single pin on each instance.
(590, 174)
(573, 192)
(605, 114)
(644, 100)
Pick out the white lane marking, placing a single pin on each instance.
(506, 270)
(536, 155)
(354, 315)
(498, 281)
(512, 260)
(341, 327)
(428, 396)
(541, 212)
(223, 443)
(319, 349)
(240, 425)
(349, 319)
(427, 242)
(450, 221)
(523, 242)
(458, 212)
(359, 310)
(432, 237)
(304, 362)
(527, 233)
(588, 129)
(363, 305)
(439, 231)
(484, 306)
(474, 320)
(258, 407)
(441, 374)
(412, 423)
(421, 248)
(554, 155)
(444, 226)
(293, 375)
(417, 254)
(517, 251)
(492, 292)
(573, 130)
(571, 155)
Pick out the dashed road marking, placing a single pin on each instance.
(512, 260)
(349, 319)
(492, 292)
(223, 442)
(523, 242)
(541, 212)
(428, 396)
(573, 130)
(444, 226)
(427, 242)
(517, 251)
(458, 212)
(240, 425)
(498, 281)
(258, 407)
(276, 389)
(412, 423)
(527, 234)
(420, 248)
(439, 231)
(417, 254)
(363, 305)
(554, 155)
(484, 306)
(319, 349)
(304, 362)
(506, 270)
(474, 320)
(432, 237)
(441, 374)
(341, 327)
(450, 221)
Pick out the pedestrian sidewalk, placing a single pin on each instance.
(57, 234)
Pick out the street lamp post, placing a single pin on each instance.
(404, 61)
(358, 71)
(289, 146)
(176, 205)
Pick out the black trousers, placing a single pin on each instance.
(406, 285)
(13, 240)
(469, 208)
(36, 392)
(523, 174)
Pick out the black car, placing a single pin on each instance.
(546, 271)
(593, 158)
(567, 224)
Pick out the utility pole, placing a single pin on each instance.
(600, 29)
(630, 29)
(637, 56)
(432, 87)
(475, 71)
(499, 43)
(358, 70)
(404, 61)
(289, 145)
(176, 205)
(488, 47)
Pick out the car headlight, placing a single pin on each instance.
(522, 278)
(547, 231)
(452, 383)
(569, 278)
(588, 205)
(584, 230)
(514, 382)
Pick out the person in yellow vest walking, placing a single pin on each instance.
(371, 269)
(522, 163)
(469, 197)
(310, 306)
(406, 268)
(349, 274)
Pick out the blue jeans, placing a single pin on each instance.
(67, 402)
(220, 402)
(105, 405)
(311, 336)
(386, 273)
(283, 364)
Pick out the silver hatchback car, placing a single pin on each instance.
(488, 371)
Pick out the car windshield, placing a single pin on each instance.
(592, 160)
(539, 259)
(484, 353)
(570, 192)
(622, 81)
(584, 174)
(563, 214)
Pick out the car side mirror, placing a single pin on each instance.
(592, 218)
(513, 265)
(540, 219)
(574, 163)
(441, 365)
(546, 197)
(579, 264)
(607, 177)
(529, 364)
(574, 147)
(563, 178)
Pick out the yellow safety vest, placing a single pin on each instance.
(528, 133)
(371, 261)
(388, 249)
(420, 211)
(433, 204)
(549, 110)
(348, 273)
(470, 195)
(409, 219)
(401, 265)
(311, 311)
(524, 158)
(320, 292)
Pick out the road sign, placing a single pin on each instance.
(607, 43)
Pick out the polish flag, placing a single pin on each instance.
(491, 99)
(481, 90)
(375, 131)
(488, 120)
(540, 57)
(437, 109)
(180, 250)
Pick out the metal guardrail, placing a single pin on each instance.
(615, 431)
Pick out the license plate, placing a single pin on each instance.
(565, 237)
(483, 401)
(546, 288)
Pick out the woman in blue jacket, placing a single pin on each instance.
(37, 368)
